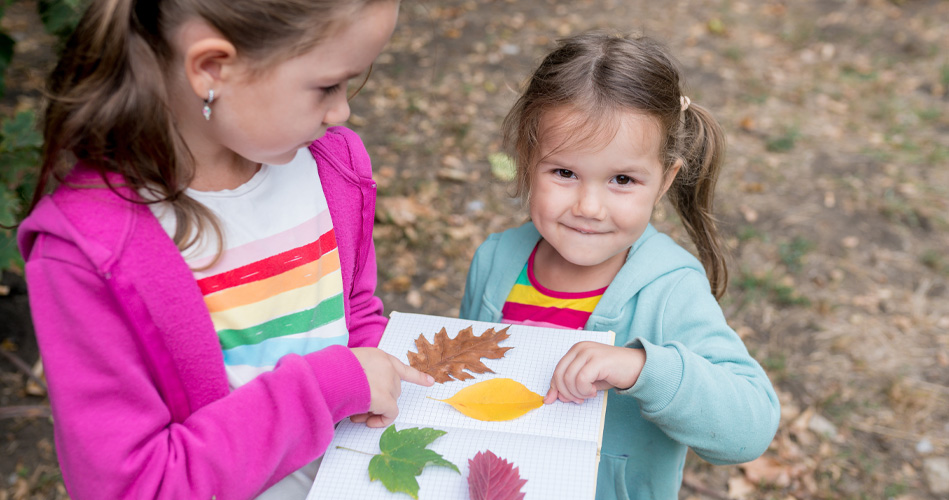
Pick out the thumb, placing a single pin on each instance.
(601, 385)
(551, 395)
(409, 374)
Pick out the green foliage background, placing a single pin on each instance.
(20, 141)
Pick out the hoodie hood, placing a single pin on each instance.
(95, 228)
(660, 251)
(71, 214)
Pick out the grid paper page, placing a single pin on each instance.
(553, 468)
(531, 362)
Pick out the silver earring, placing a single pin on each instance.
(206, 110)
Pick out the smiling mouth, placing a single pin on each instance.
(585, 231)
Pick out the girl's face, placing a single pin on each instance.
(591, 202)
(266, 118)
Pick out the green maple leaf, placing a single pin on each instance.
(404, 455)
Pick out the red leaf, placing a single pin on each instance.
(493, 478)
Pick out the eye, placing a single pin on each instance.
(562, 172)
(332, 89)
(624, 179)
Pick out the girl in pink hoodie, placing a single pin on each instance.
(199, 254)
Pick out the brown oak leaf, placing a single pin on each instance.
(448, 357)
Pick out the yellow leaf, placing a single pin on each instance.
(495, 399)
(502, 166)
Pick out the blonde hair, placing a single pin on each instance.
(599, 76)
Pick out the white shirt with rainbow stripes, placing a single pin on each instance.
(276, 288)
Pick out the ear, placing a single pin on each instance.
(670, 177)
(209, 58)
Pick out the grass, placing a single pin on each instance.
(929, 114)
(852, 73)
(895, 489)
(734, 53)
(756, 91)
(800, 33)
(897, 209)
(783, 142)
(836, 408)
(758, 287)
(937, 154)
(776, 365)
(792, 253)
(748, 232)
(936, 261)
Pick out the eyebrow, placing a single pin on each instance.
(350, 75)
(635, 169)
(624, 169)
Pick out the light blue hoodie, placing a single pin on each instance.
(699, 388)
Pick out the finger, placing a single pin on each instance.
(557, 379)
(551, 396)
(380, 420)
(574, 380)
(557, 387)
(410, 374)
(556, 384)
(585, 387)
(374, 421)
(570, 379)
(359, 418)
(385, 411)
(565, 362)
(589, 378)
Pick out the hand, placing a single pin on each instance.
(591, 366)
(385, 374)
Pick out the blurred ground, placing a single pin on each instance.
(835, 203)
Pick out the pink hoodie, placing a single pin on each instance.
(136, 375)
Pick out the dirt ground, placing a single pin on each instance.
(834, 202)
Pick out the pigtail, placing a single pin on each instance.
(693, 191)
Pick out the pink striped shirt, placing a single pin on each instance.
(529, 303)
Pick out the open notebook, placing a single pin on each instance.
(555, 447)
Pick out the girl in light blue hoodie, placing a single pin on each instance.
(601, 133)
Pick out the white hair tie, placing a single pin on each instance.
(684, 102)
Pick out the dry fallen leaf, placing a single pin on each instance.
(401, 211)
(739, 488)
(771, 471)
(448, 358)
(495, 400)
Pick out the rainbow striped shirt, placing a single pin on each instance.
(276, 288)
(529, 303)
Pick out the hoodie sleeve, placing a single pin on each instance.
(366, 322)
(120, 428)
(700, 385)
(346, 176)
(477, 279)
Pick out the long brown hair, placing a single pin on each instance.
(601, 75)
(108, 96)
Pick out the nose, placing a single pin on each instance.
(338, 111)
(589, 203)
